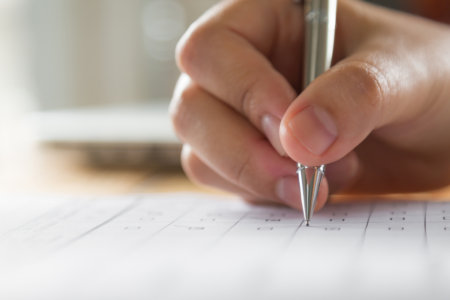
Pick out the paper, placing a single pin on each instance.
(188, 246)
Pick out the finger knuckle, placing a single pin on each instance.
(194, 168)
(242, 170)
(181, 109)
(188, 47)
(370, 84)
(247, 99)
(245, 94)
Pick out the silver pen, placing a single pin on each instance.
(320, 25)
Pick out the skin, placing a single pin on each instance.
(379, 118)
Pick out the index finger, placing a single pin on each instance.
(247, 53)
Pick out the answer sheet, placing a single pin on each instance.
(196, 246)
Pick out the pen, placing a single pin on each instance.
(320, 24)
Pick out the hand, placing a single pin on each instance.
(379, 118)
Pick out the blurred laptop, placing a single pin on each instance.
(139, 134)
(105, 72)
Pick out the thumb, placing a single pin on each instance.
(334, 114)
(393, 86)
(379, 85)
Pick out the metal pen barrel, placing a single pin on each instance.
(320, 25)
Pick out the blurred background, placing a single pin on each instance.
(97, 76)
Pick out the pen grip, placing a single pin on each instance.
(320, 25)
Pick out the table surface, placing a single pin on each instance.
(49, 169)
(52, 170)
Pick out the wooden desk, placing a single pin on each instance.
(46, 169)
(43, 169)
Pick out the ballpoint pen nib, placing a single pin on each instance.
(309, 179)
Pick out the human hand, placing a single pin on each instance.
(379, 118)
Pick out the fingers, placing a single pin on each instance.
(239, 54)
(226, 142)
(232, 148)
(201, 174)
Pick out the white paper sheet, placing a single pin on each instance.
(188, 246)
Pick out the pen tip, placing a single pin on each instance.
(307, 223)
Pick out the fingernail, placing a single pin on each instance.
(315, 129)
(287, 190)
(271, 127)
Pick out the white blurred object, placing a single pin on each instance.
(137, 134)
(132, 124)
